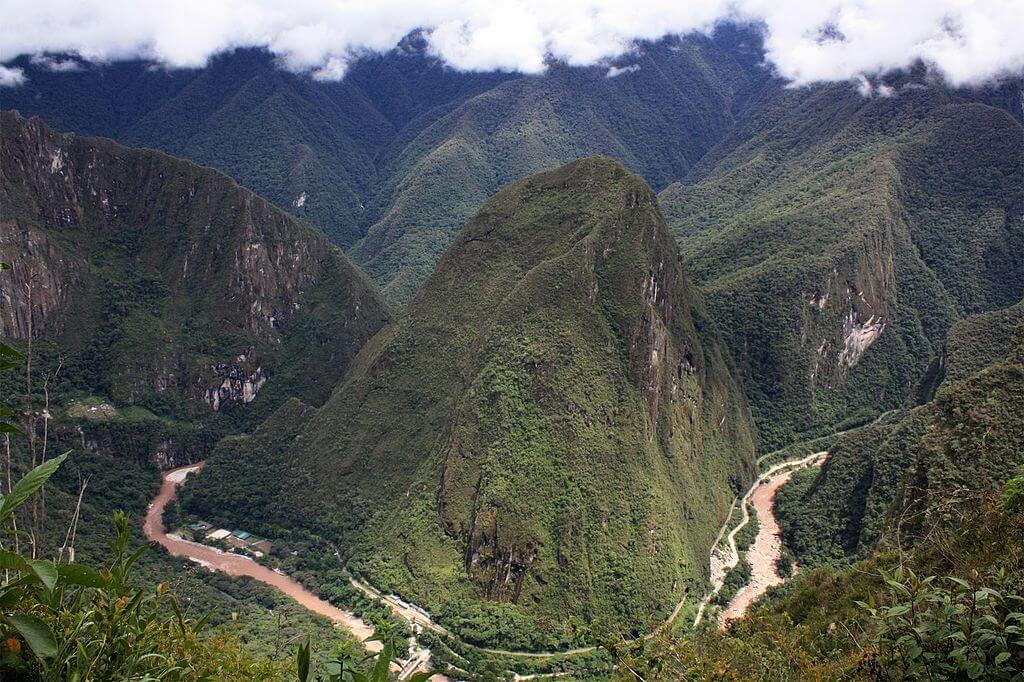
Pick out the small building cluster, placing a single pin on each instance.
(238, 539)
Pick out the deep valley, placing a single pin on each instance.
(666, 365)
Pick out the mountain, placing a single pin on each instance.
(657, 111)
(909, 548)
(894, 480)
(552, 429)
(838, 238)
(152, 282)
(308, 146)
(393, 159)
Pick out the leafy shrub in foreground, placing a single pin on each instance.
(947, 629)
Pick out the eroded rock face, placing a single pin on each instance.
(175, 267)
(237, 384)
(850, 311)
(39, 284)
(496, 564)
(857, 338)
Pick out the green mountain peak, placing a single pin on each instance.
(557, 416)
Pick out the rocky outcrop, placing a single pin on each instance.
(499, 567)
(153, 272)
(39, 285)
(857, 337)
(849, 312)
(236, 384)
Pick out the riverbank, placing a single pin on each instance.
(236, 565)
(725, 557)
(763, 555)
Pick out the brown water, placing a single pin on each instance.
(235, 565)
(763, 554)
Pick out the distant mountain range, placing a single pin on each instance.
(392, 160)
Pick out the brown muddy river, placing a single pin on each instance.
(236, 565)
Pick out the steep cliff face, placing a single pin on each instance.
(165, 283)
(920, 468)
(34, 292)
(838, 238)
(556, 413)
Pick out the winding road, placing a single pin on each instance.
(767, 546)
(763, 555)
(237, 565)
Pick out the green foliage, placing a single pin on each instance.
(825, 210)
(895, 480)
(758, 648)
(746, 536)
(947, 629)
(28, 486)
(980, 341)
(345, 666)
(582, 421)
(65, 621)
(9, 359)
(183, 290)
(1013, 494)
(735, 580)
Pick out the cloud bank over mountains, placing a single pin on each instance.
(965, 41)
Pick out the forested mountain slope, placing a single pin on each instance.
(310, 147)
(404, 150)
(150, 281)
(552, 429)
(667, 104)
(891, 482)
(838, 238)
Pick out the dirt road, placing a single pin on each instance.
(764, 552)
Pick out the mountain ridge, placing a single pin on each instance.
(860, 208)
(167, 284)
(557, 332)
(369, 159)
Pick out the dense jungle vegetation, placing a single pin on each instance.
(536, 425)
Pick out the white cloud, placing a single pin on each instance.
(333, 70)
(10, 78)
(965, 41)
(615, 71)
(52, 63)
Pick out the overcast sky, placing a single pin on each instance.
(966, 41)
